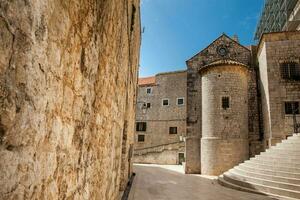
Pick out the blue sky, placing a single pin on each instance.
(175, 30)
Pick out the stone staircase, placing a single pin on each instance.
(275, 172)
(159, 148)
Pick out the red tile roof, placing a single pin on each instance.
(147, 81)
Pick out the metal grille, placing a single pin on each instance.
(292, 107)
(290, 71)
(141, 126)
(225, 102)
(274, 16)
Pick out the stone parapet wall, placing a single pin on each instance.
(163, 154)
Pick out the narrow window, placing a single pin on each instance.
(141, 138)
(225, 103)
(180, 101)
(290, 71)
(181, 158)
(149, 90)
(148, 105)
(141, 126)
(172, 130)
(165, 102)
(291, 107)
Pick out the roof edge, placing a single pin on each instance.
(223, 34)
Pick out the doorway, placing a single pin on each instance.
(181, 158)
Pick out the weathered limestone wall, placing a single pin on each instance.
(68, 73)
(159, 118)
(168, 157)
(264, 88)
(208, 55)
(162, 154)
(224, 141)
(274, 49)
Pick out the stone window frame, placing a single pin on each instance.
(148, 105)
(141, 136)
(283, 61)
(151, 90)
(143, 129)
(162, 102)
(171, 132)
(182, 102)
(221, 103)
(285, 107)
(181, 152)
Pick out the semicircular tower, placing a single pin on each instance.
(224, 141)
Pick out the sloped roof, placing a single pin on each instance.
(225, 62)
(221, 36)
(147, 81)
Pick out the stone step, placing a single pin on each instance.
(284, 168)
(286, 148)
(225, 183)
(282, 151)
(255, 187)
(295, 163)
(268, 171)
(280, 154)
(291, 141)
(288, 186)
(256, 174)
(276, 171)
(295, 136)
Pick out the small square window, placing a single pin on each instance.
(141, 138)
(148, 105)
(165, 102)
(225, 103)
(172, 130)
(291, 107)
(180, 101)
(141, 126)
(149, 90)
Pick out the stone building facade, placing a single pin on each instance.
(68, 75)
(279, 86)
(161, 119)
(240, 100)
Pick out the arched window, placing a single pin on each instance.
(290, 70)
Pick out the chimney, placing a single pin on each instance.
(235, 38)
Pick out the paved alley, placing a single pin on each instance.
(154, 182)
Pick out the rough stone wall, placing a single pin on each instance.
(274, 49)
(264, 88)
(162, 154)
(255, 122)
(208, 55)
(159, 118)
(224, 141)
(68, 73)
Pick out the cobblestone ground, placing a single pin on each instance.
(155, 182)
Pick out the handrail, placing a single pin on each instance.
(158, 146)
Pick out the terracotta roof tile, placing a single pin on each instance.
(147, 80)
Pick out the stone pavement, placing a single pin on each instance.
(157, 182)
